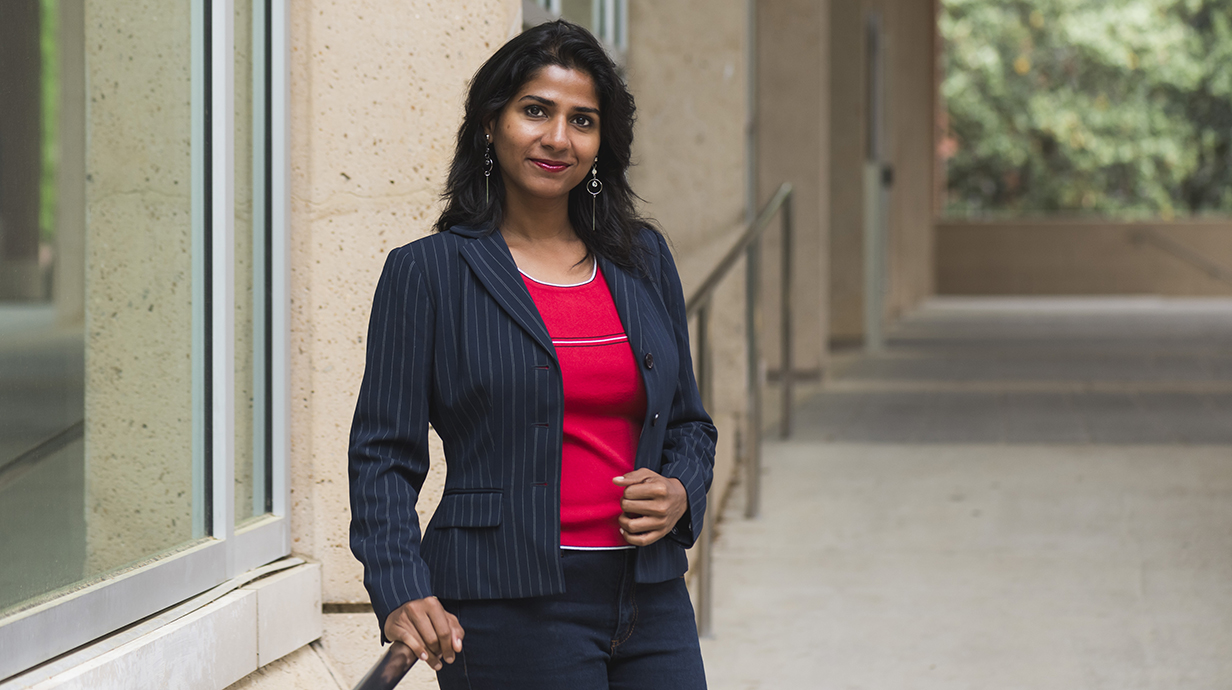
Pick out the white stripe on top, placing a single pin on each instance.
(602, 340)
(594, 270)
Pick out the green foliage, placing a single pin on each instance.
(1120, 108)
(49, 29)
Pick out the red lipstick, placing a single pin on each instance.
(550, 166)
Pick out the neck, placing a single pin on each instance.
(531, 219)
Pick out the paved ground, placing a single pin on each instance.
(1017, 494)
(42, 392)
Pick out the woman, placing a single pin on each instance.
(541, 331)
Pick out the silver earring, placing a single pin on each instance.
(594, 186)
(487, 168)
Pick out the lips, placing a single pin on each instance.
(550, 166)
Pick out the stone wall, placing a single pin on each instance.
(793, 145)
(376, 98)
(1080, 257)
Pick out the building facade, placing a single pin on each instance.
(196, 200)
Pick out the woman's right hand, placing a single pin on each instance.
(431, 632)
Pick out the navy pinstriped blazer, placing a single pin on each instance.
(456, 341)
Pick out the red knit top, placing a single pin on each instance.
(605, 403)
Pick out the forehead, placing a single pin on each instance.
(569, 87)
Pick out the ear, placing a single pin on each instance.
(489, 126)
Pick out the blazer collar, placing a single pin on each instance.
(489, 257)
(470, 232)
(635, 304)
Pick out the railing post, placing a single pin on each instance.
(752, 258)
(787, 369)
(699, 305)
(705, 362)
(705, 578)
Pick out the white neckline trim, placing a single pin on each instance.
(594, 270)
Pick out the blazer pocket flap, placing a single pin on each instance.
(469, 509)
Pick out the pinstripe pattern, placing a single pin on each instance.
(455, 341)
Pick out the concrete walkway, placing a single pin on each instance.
(1017, 494)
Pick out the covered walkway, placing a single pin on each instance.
(1017, 494)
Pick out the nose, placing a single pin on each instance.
(557, 135)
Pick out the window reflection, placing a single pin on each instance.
(96, 281)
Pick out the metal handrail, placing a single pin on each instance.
(398, 659)
(387, 672)
(699, 305)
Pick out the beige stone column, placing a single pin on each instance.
(793, 145)
(847, 154)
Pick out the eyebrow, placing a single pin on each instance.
(547, 101)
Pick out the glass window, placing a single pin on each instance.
(606, 19)
(253, 453)
(138, 275)
(96, 308)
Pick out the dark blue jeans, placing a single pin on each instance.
(606, 632)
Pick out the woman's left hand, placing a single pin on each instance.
(652, 506)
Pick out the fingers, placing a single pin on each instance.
(432, 633)
(644, 538)
(404, 631)
(651, 507)
(640, 524)
(635, 477)
(650, 490)
(651, 504)
(442, 632)
(458, 633)
(642, 531)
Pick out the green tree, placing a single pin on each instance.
(1120, 108)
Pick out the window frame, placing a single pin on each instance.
(80, 616)
(614, 16)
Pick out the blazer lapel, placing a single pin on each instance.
(643, 315)
(489, 258)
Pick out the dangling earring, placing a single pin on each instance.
(487, 168)
(595, 186)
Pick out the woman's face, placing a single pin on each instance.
(547, 136)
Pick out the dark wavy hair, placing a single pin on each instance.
(560, 43)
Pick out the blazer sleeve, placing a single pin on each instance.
(388, 458)
(689, 441)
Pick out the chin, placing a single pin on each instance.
(550, 192)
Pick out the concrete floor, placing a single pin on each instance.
(42, 505)
(1016, 494)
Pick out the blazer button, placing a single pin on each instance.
(654, 419)
(648, 360)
